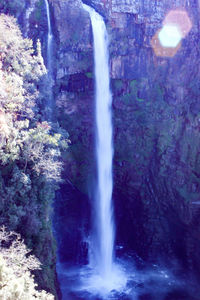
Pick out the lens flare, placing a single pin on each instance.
(162, 51)
(180, 19)
(170, 36)
(167, 40)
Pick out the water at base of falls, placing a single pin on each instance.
(84, 283)
(94, 283)
(142, 283)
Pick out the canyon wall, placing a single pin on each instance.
(156, 122)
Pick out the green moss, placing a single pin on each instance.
(117, 85)
(89, 74)
(127, 98)
(139, 99)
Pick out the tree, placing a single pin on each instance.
(30, 151)
(16, 264)
(22, 137)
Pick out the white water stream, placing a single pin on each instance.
(102, 250)
(104, 148)
(49, 107)
(49, 40)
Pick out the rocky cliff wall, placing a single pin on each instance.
(155, 115)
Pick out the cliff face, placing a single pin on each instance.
(74, 86)
(155, 115)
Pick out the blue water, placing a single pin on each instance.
(144, 283)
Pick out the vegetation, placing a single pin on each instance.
(16, 264)
(30, 150)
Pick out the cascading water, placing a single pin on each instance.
(102, 248)
(103, 274)
(49, 40)
(49, 62)
(104, 149)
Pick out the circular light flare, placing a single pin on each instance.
(170, 36)
(180, 18)
(167, 40)
(161, 51)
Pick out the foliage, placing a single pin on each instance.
(30, 149)
(20, 69)
(16, 264)
(41, 148)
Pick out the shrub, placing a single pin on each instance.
(16, 264)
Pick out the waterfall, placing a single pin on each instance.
(49, 39)
(104, 275)
(104, 244)
(49, 62)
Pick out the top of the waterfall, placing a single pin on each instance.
(92, 11)
(88, 8)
